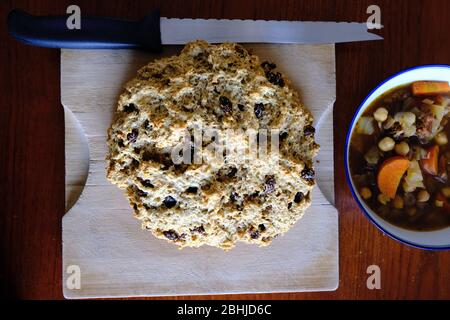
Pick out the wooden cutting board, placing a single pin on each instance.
(118, 259)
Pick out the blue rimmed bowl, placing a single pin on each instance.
(431, 240)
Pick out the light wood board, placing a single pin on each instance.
(118, 259)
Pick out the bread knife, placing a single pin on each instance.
(153, 31)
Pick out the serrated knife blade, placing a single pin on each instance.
(181, 31)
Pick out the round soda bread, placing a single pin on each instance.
(218, 201)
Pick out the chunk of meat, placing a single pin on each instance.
(424, 124)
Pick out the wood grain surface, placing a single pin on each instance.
(32, 140)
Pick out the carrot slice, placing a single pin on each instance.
(442, 173)
(430, 87)
(431, 161)
(390, 174)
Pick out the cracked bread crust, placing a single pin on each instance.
(214, 203)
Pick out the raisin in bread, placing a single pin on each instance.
(214, 203)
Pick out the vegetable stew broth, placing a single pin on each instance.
(400, 156)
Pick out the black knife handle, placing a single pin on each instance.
(95, 32)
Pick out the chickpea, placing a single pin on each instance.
(386, 144)
(446, 192)
(366, 193)
(402, 148)
(408, 118)
(381, 114)
(388, 123)
(423, 196)
(383, 199)
(438, 203)
(398, 202)
(441, 138)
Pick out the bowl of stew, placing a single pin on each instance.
(397, 157)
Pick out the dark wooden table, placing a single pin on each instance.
(32, 140)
